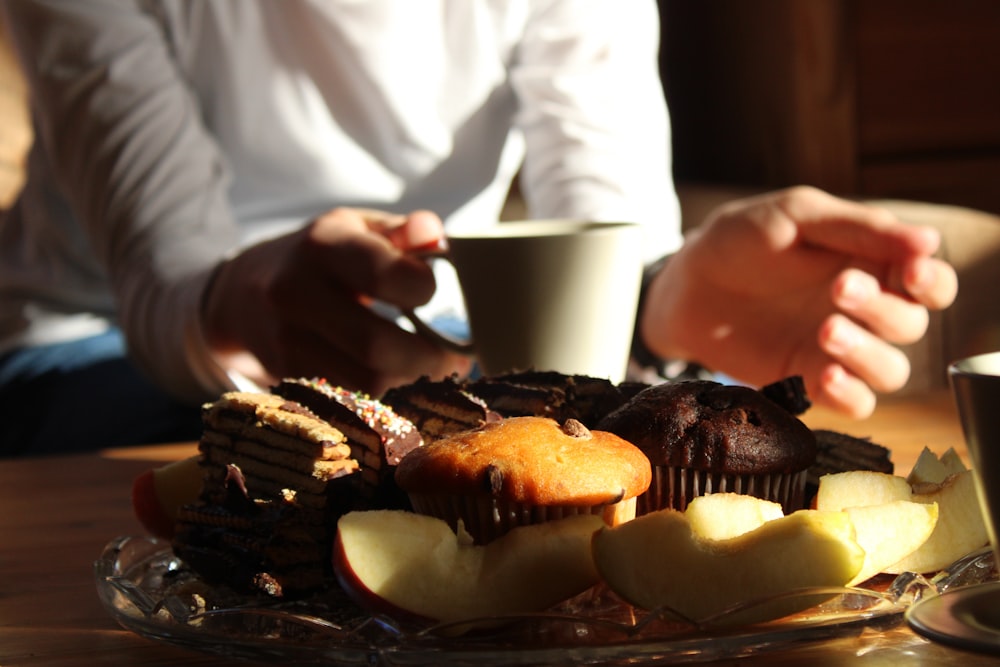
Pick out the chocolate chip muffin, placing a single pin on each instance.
(704, 437)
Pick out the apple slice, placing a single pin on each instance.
(960, 528)
(158, 493)
(928, 469)
(889, 532)
(933, 469)
(657, 560)
(415, 566)
(720, 516)
(952, 462)
(945, 480)
(888, 523)
(858, 488)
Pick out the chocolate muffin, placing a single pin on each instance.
(704, 437)
(524, 470)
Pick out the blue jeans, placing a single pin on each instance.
(84, 395)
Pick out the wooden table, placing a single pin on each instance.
(56, 515)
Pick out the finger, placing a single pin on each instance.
(886, 314)
(421, 230)
(841, 391)
(381, 221)
(342, 247)
(929, 281)
(854, 228)
(354, 330)
(418, 230)
(875, 362)
(873, 236)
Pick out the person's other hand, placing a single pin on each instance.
(799, 282)
(298, 305)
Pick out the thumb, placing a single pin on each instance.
(422, 230)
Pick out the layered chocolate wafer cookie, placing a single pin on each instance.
(276, 443)
(840, 452)
(439, 408)
(275, 478)
(269, 546)
(279, 470)
(552, 394)
(379, 437)
(524, 394)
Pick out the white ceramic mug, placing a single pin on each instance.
(549, 295)
(975, 382)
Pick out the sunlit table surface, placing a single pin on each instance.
(56, 515)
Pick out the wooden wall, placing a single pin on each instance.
(877, 98)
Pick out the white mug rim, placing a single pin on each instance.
(554, 227)
(986, 364)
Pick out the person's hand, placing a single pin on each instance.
(298, 305)
(799, 282)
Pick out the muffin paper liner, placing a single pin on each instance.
(487, 518)
(674, 487)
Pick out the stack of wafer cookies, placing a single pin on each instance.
(277, 476)
(553, 394)
(840, 452)
(523, 395)
(277, 444)
(439, 408)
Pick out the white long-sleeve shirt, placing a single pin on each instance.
(170, 133)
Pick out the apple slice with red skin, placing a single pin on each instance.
(416, 567)
(158, 493)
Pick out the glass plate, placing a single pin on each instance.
(151, 592)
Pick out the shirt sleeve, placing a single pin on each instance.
(594, 117)
(144, 180)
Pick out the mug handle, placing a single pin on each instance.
(436, 251)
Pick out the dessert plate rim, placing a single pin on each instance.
(130, 572)
(967, 617)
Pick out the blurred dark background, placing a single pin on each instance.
(872, 98)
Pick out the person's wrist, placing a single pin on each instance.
(242, 370)
(644, 360)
